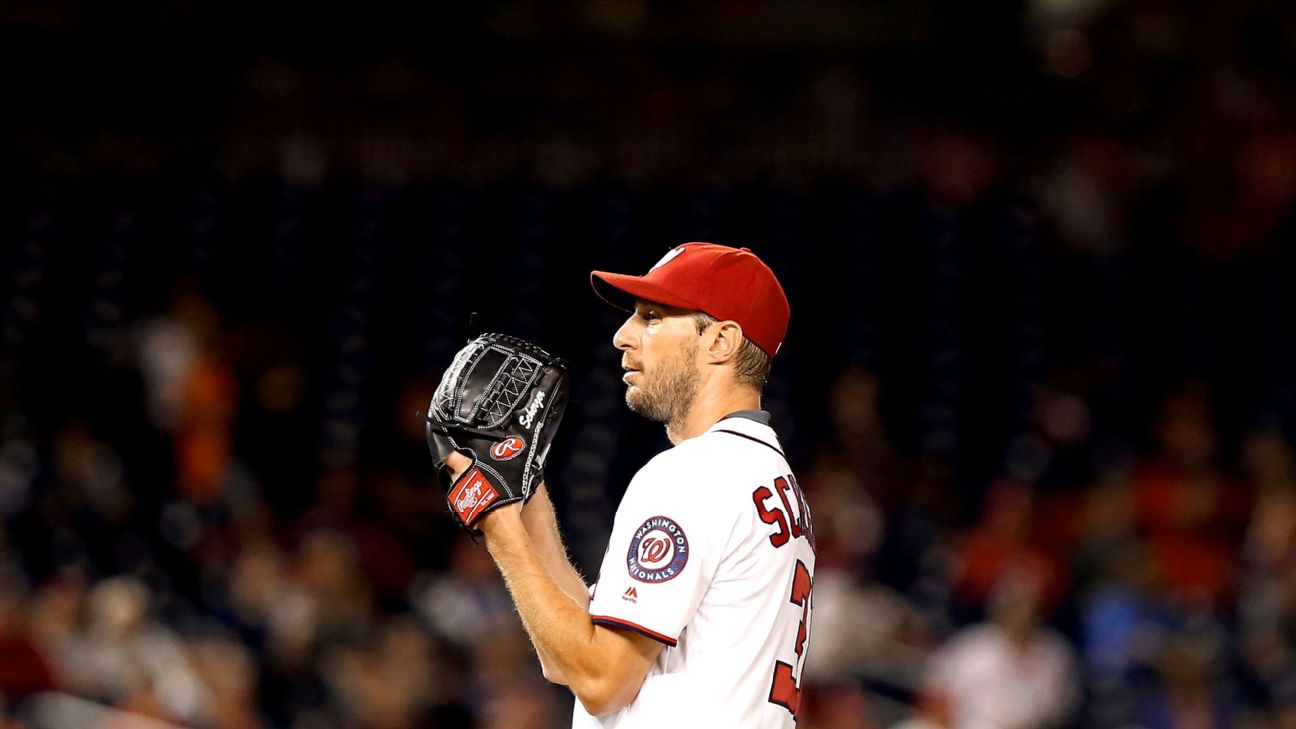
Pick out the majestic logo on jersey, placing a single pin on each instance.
(631, 594)
(507, 448)
(658, 551)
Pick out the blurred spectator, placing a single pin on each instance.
(1186, 690)
(391, 682)
(1191, 511)
(123, 656)
(840, 706)
(468, 604)
(505, 659)
(167, 348)
(1090, 195)
(1004, 539)
(328, 599)
(1008, 672)
(1268, 602)
(228, 673)
(24, 670)
(192, 393)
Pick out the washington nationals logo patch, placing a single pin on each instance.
(507, 448)
(658, 551)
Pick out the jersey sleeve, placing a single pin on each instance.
(667, 541)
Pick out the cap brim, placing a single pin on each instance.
(621, 290)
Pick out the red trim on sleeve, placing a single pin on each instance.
(608, 621)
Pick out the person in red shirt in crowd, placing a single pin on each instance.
(1191, 512)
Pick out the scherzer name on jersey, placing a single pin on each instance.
(658, 551)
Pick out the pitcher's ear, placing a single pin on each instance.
(726, 340)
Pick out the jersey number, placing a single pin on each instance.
(785, 688)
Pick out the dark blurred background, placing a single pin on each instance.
(1038, 387)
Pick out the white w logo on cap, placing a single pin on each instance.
(670, 256)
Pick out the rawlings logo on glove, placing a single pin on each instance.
(478, 410)
(508, 448)
(466, 497)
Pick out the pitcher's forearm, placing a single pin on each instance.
(542, 526)
(558, 625)
(603, 668)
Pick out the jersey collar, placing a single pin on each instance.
(750, 424)
(760, 416)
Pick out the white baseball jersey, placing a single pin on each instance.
(712, 554)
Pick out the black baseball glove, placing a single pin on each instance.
(499, 404)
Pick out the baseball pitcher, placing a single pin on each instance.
(701, 612)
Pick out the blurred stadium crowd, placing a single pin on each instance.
(1040, 384)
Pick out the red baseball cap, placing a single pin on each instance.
(727, 283)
